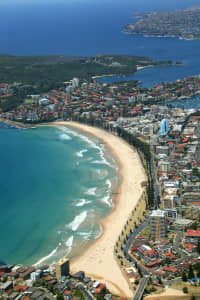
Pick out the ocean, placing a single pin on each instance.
(55, 182)
(56, 186)
(90, 27)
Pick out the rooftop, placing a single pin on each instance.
(158, 213)
(62, 261)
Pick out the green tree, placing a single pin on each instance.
(140, 272)
(184, 277)
(190, 272)
(198, 246)
(160, 280)
(185, 290)
(194, 226)
(60, 297)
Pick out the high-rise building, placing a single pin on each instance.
(164, 127)
(62, 267)
(158, 223)
(69, 89)
(75, 83)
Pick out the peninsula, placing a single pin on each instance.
(183, 24)
(39, 74)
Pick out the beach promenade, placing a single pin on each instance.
(99, 260)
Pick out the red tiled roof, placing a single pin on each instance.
(158, 284)
(140, 237)
(67, 293)
(193, 233)
(195, 203)
(169, 254)
(153, 263)
(21, 288)
(170, 269)
(189, 247)
(48, 278)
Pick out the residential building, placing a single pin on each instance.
(164, 127)
(75, 83)
(158, 223)
(62, 267)
(192, 213)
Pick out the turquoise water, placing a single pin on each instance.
(55, 189)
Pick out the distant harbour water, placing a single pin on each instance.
(90, 27)
(56, 187)
(187, 103)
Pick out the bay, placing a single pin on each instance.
(55, 189)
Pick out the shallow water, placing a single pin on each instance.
(55, 189)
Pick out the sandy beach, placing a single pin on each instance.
(99, 261)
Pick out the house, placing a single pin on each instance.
(67, 295)
(145, 250)
(170, 270)
(154, 263)
(189, 247)
(6, 286)
(193, 233)
(100, 289)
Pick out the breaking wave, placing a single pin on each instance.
(39, 262)
(65, 137)
(80, 153)
(82, 202)
(107, 199)
(91, 143)
(91, 191)
(78, 220)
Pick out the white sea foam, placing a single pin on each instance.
(86, 235)
(101, 173)
(65, 137)
(97, 162)
(102, 154)
(100, 232)
(83, 137)
(109, 184)
(78, 220)
(91, 143)
(80, 153)
(82, 202)
(69, 244)
(103, 160)
(91, 191)
(107, 199)
(46, 257)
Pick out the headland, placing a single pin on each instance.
(184, 24)
(99, 260)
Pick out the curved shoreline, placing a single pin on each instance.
(98, 260)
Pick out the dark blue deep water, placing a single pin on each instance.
(89, 27)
